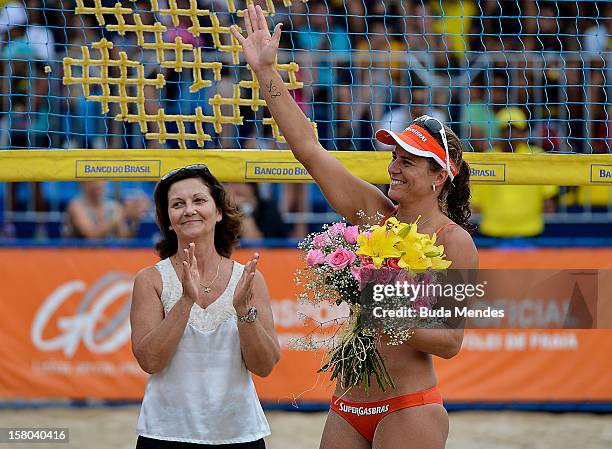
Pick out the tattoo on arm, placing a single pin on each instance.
(273, 90)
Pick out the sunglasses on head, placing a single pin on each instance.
(186, 167)
(435, 126)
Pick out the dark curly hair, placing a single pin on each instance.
(454, 198)
(226, 231)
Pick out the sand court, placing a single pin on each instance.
(113, 428)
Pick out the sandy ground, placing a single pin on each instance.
(113, 428)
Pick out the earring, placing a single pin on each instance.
(170, 227)
(433, 187)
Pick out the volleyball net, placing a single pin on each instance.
(524, 84)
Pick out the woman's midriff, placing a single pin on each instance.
(409, 369)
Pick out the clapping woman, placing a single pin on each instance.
(201, 323)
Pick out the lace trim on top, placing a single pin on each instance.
(204, 320)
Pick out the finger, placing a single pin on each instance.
(192, 258)
(237, 34)
(247, 273)
(251, 272)
(187, 258)
(249, 268)
(277, 34)
(248, 285)
(253, 263)
(186, 273)
(253, 17)
(244, 279)
(261, 20)
(247, 22)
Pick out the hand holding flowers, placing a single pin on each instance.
(343, 259)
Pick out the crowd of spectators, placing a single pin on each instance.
(365, 65)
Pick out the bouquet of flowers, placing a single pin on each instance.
(340, 262)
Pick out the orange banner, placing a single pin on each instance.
(65, 333)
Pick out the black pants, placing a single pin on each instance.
(151, 443)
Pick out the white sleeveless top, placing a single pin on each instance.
(205, 394)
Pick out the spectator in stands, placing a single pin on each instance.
(379, 57)
(413, 102)
(431, 54)
(260, 217)
(348, 128)
(322, 45)
(513, 210)
(21, 129)
(38, 35)
(452, 21)
(478, 121)
(84, 123)
(596, 45)
(94, 216)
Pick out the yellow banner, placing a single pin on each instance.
(276, 171)
(601, 174)
(281, 166)
(488, 173)
(105, 169)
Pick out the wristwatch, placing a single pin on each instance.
(250, 316)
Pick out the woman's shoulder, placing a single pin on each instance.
(459, 246)
(150, 275)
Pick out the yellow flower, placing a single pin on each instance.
(380, 245)
(397, 226)
(419, 252)
(438, 263)
(416, 251)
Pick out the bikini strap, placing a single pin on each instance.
(438, 231)
(445, 226)
(391, 214)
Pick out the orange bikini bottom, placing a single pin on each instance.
(365, 416)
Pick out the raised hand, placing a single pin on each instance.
(191, 274)
(244, 290)
(259, 46)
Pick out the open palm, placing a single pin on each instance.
(260, 47)
(191, 275)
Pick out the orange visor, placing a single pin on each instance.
(417, 140)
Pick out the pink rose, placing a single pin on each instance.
(321, 240)
(356, 272)
(336, 229)
(363, 274)
(404, 276)
(367, 273)
(421, 302)
(350, 234)
(384, 275)
(315, 257)
(340, 259)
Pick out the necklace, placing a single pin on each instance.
(207, 288)
(421, 223)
